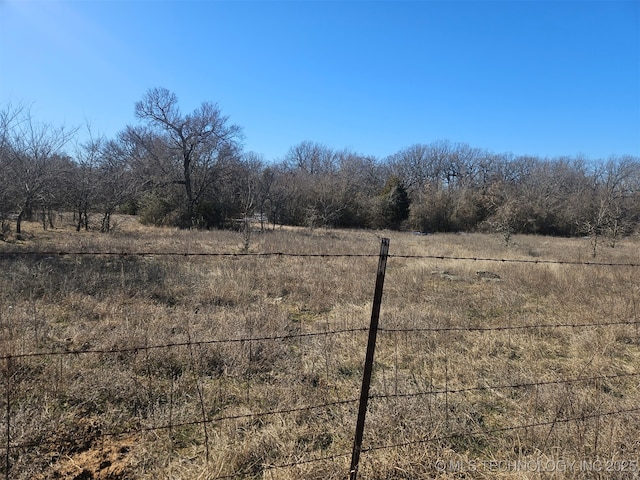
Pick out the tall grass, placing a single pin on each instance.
(468, 370)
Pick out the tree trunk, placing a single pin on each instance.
(106, 222)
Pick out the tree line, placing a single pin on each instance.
(190, 170)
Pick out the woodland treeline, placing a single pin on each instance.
(190, 170)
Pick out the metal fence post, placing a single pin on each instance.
(368, 364)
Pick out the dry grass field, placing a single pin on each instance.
(163, 366)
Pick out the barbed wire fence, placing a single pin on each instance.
(449, 424)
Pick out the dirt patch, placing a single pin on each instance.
(107, 460)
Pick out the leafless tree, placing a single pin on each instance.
(34, 152)
(84, 185)
(187, 146)
(10, 117)
(249, 193)
(615, 186)
(117, 184)
(329, 187)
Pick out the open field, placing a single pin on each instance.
(184, 362)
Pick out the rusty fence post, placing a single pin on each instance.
(368, 364)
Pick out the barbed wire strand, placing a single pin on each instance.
(502, 429)
(51, 253)
(506, 327)
(335, 403)
(503, 386)
(192, 423)
(518, 260)
(142, 348)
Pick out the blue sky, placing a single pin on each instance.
(546, 78)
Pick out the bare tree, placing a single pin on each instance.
(10, 117)
(265, 195)
(357, 183)
(83, 188)
(116, 183)
(33, 151)
(315, 173)
(249, 194)
(615, 186)
(416, 167)
(191, 144)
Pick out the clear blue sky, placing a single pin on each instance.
(546, 78)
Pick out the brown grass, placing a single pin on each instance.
(453, 389)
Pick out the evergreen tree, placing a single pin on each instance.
(394, 204)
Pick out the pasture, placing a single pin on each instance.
(155, 353)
